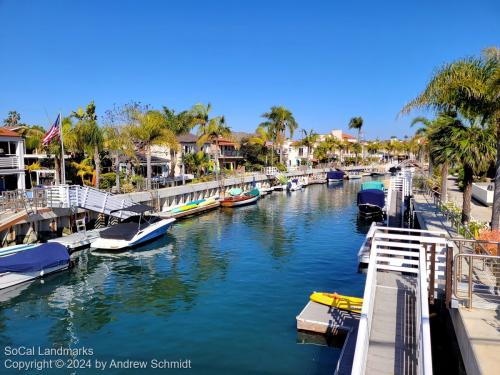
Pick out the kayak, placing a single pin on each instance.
(339, 301)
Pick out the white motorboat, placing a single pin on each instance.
(353, 176)
(133, 231)
(294, 185)
(280, 187)
(32, 263)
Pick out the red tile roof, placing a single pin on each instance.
(347, 136)
(8, 133)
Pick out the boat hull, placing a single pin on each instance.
(9, 279)
(234, 202)
(368, 210)
(149, 233)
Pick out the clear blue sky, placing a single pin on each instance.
(325, 60)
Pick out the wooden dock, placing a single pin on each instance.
(79, 240)
(327, 320)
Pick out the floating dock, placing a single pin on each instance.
(323, 319)
(79, 240)
(193, 211)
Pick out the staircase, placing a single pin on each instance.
(70, 196)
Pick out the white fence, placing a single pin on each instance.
(9, 162)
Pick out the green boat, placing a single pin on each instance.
(373, 185)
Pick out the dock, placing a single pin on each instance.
(327, 320)
(79, 240)
(188, 213)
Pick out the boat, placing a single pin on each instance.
(32, 263)
(375, 174)
(241, 200)
(371, 202)
(136, 230)
(293, 185)
(353, 176)
(335, 176)
(280, 187)
(366, 174)
(353, 304)
(377, 185)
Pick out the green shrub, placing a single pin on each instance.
(107, 180)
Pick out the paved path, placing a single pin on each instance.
(478, 211)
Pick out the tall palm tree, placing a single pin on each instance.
(278, 121)
(308, 140)
(178, 123)
(147, 129)
(89, 136)
(211, 131)
(468, 142)
(471, 87)
(356, 123)
(262, 138)
(12, 119)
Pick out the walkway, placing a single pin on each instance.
(478, 211)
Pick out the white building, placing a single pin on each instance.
(294, 154)
(12, 174)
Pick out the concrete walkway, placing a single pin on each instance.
(478, 211)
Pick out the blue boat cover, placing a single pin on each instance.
(335, 175)
(44, 256)
(376, 185)
(372, 197)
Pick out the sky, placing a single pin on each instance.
(327, 61)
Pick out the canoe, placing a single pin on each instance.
(241, 200)
(207, 202)
(353, 304)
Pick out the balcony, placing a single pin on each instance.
(9, 162)
(230, 154)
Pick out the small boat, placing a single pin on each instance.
(241, 200)
(353, 176)
(353, 304)
(293, 185)
(133, 231)
(280, 187)
(375, 174)
(32, 263)
(335, 176)
(371, 202)
(366, 174)
(377, 185)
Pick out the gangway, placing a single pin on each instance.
(70, 196)
(405, 273)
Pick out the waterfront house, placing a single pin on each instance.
(295, 155)
(12, 173)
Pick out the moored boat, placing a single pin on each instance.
(133, 231)
(353, 176)
(335, 176)
(241, 200)
(293, 185)
(377, 185)
(371, 202)
(32, 263)
(353, 304)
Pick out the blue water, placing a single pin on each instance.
(222, 290)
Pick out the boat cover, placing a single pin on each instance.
(372, 197)
(376, 185)
(253, 192)
(135, 208)
(40, 257)
(235, 192)
(335, 175)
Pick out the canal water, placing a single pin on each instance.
(221, 290)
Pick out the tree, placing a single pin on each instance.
(357, 148)
(356, 123)
(471, 87)
(33, 167)
(177, 123)
(32, 135)
(325, 149)
(278, 121)
(13, 119)
(468, 142)
(147, 129)
(83, 168)
(210, 129)
(196, 162)
(89, 136)
(117, 143)
(308, 140)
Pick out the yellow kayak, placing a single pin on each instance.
(339, 301)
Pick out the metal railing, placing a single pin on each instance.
(476, 280)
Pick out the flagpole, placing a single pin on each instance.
(63, 167)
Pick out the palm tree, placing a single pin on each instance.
(278, 121)
(147, 129)
(196, 162)
(471, 87)
(356, 123)
(468, 142)
(178, 123)
(83, 168)
(211, 130)
(117, 143)
(32, 135)
(33, 167)
(308, 140)
(89, 136)
(262, 138)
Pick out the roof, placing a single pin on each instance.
(187, 138)
(4, 132)
(225, 142)
(347, 136)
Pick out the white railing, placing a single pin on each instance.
(408, 254)
(9, 162)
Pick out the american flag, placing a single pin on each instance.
(52, 133)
